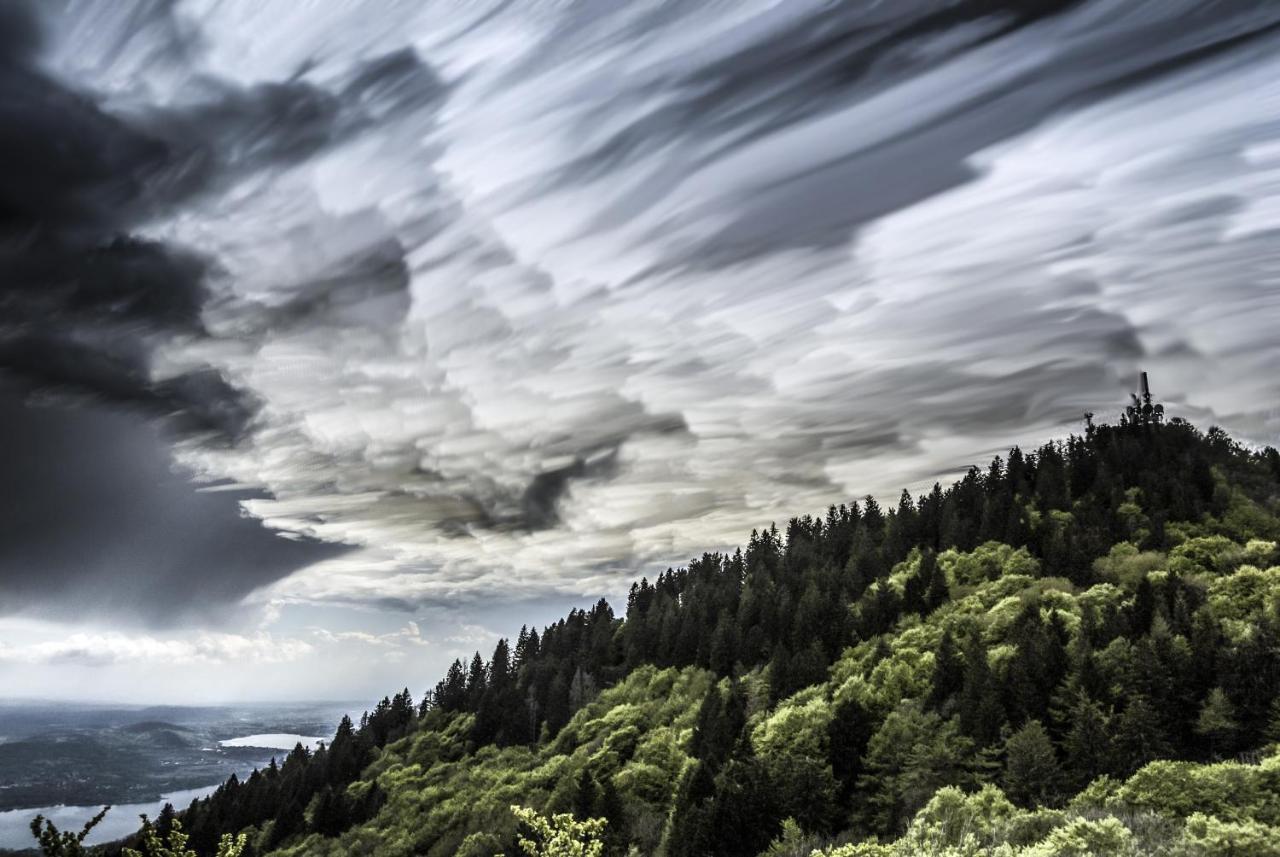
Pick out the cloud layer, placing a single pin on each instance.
(524, 301)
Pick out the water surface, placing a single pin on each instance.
(15, 831)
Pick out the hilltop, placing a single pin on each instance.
(1073, 650)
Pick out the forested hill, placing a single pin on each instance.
(1037, 635)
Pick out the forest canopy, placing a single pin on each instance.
(1074, 650)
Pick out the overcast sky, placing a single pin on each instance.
(337, 340)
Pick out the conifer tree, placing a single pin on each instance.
(948, 673)
(1032, 774)
(477, 681)
(1217, 722)
(981, 714)
(1087, 745)
(1140, 736)
(848, 734)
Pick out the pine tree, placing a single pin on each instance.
(451, 692)
(724, 646)
(288, 821)
(1143, 609)
(1031, 772)
(1140, 736)
(1217, 722)
(692, 832)
(1087, 745)
(343, 761)
(849, 732)
(780, 681)
(477, 681)
(330, 815)
(981, 714)
(948, 672)
(164, 821)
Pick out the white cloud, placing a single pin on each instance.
(408, 636)
(110, 647)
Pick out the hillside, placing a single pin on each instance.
(1071, 651)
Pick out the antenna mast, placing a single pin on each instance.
(1142, 411)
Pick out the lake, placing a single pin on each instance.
(15, 824)
(275, 741)
(66, 761)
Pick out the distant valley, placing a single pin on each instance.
(54, 754)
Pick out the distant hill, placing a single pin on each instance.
(1073, 650)
(153, 726)
(78, 755)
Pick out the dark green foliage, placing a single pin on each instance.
(913, 754)
(981, 714)
(1141, 736)
(948, 674)
(56, 843)
(1087, 745)
(848, 735)
(720, 720)
(1032, 775)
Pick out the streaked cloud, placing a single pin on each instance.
(528, 301)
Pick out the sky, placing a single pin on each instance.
(338, 340)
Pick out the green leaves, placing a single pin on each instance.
(175, 843)
(561, 835)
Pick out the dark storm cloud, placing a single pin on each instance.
(96, 523)
(80, 295)
(85, 298)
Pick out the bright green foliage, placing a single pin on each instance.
(861, 849)
(1228, 790)
(1082, 837)
(1148, 816)
(1212, 837)
(175, 844)
(798, 727)
(1244, 594)
(955, 820)
(1127, 565)
(631, 743)
(559, 836)
(987, 562)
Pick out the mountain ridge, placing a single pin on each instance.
(1069, 614)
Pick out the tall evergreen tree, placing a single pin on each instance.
(1032, 775)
